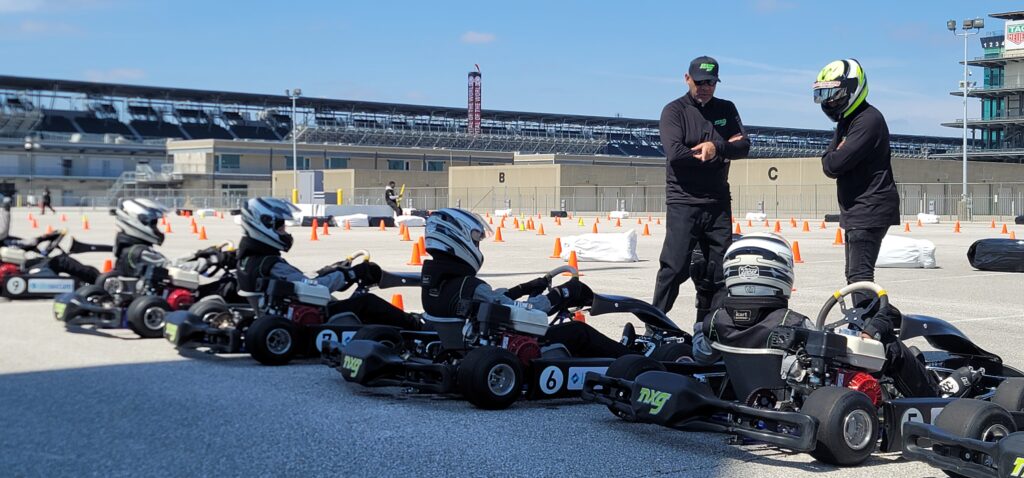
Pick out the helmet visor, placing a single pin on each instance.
(485, 230)
(825, 91)
(149, 218)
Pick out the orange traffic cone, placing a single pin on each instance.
(423, 247)
(594, 229)
(348, 226)
(738, 230)
(557, 252)
(383, 226)
(993, 224)
(906, 227)
(597, 220)
(792, 222)
(414, 259)
(919, 224)
(497, 236)
(163, 220)
(49, 228)
(325, 232)
(1013, 235)
(778, 227)
(312, 231)
(647, 231)
(35, 224)
(405, 234)
(796, 253)
(822, 225)
(108, 265)
(202, 234)
(396, 300)
(401, 229)
(195, 230)
(167, 227)
(638, 221)
(30, 217)
(558, 221)
(839, 237)
(490, 220)
(515, 222)
(63, 218)
(574, 263)
(750, 223)
(540, 230)
(85, 224)
(658, 222)
(956, 227)
(1004, 231)
(807, 227)
(618, 222)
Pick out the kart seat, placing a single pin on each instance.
(750, 369)
(555, 351)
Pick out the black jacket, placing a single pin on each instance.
(685, 124)
(862, 168)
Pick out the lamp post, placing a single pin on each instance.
(969, 27)
(294, 95)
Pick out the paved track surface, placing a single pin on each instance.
(104, 403)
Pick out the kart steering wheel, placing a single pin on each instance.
(551, 275)
(853, 316)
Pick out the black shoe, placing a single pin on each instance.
(628, 335)
(961, 381)
(916, 353)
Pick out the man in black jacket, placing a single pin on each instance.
(700, 134)
(860, 162)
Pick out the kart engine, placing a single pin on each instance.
(522, 346)
(8, 270)
(305, 314)
(180, 299)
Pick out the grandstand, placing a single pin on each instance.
(128, 113)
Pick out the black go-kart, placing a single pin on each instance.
(494, 358)
(142, 303)
(25, 272)
(292, 320)
(811, 390)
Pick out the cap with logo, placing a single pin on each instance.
(704, 68)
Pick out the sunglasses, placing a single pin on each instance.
(705, 83)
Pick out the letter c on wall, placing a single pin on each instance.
(773, 173)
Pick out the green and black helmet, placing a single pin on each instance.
(841, 87)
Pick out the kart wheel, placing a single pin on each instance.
(491, 378)
(977, 419)
(207, 310)
(1010, 395)
(93, 294)
(629, 367)
(383, 334)
(847, 425)
(272, 341)
(145, 316)
(673, 352)
(101, 279)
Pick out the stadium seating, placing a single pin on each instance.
(157, 129)
(103, 126)
(57, 123)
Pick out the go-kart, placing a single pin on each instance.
(141, 303)
(25, 272)
(972, 437)
(495, 357)
(291, 321)
(811, 390)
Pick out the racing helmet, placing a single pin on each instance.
(263, 220)
(840, 88)
(140, 219)
(759, 265)
(457, 233)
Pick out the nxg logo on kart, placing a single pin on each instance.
(1018, 467)
(749, 272)
(720, 122)
(653, 398)
(352, 364)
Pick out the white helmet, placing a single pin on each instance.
(457, 233)
(759, 264)
(140, 219)
(262, 217)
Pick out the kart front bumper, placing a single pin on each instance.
(188, 331)
(373, 364)
(74, 310)
(964, 456)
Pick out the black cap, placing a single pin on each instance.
(704, 68)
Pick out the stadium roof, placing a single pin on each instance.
(1019, 15)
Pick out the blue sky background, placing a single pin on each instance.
(579, 57)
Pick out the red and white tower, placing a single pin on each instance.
(473, 108)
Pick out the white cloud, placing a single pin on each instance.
(475, 38)
(115, 75)
(32, 27)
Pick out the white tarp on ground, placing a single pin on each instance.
(206, 213)
(354, 220)
(618, 215)
(756, 216)
(502, 212)
(906, 253)
(411, 221)
(604, 247)
(927, 218)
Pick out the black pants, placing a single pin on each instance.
(394, 207)
(373, 310)
(583, 340)
(44, 207)
(708, 227)
(70, 266)
(909, 374)
(862, 246)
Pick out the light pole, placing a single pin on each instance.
(969, 27)
(294, 95)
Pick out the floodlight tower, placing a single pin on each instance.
(969, 27)
(473, 106)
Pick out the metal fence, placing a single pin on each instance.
(174, 198)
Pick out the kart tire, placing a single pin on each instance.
(383, 334)
(1010, 395)
(272, 340)
(91, 292)
(629, 367)
(837, 409)
(100, 279)
(204, 307)
(976, 419)
(673, 352)
(145, 316)
(490, 378)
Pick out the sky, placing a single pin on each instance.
(570, 57)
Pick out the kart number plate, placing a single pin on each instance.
(577, 374)
(171, 332)
(58, 310)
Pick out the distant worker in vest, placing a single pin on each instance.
(391, 198)
(860, 161)
(701, 134)
(46, 203)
